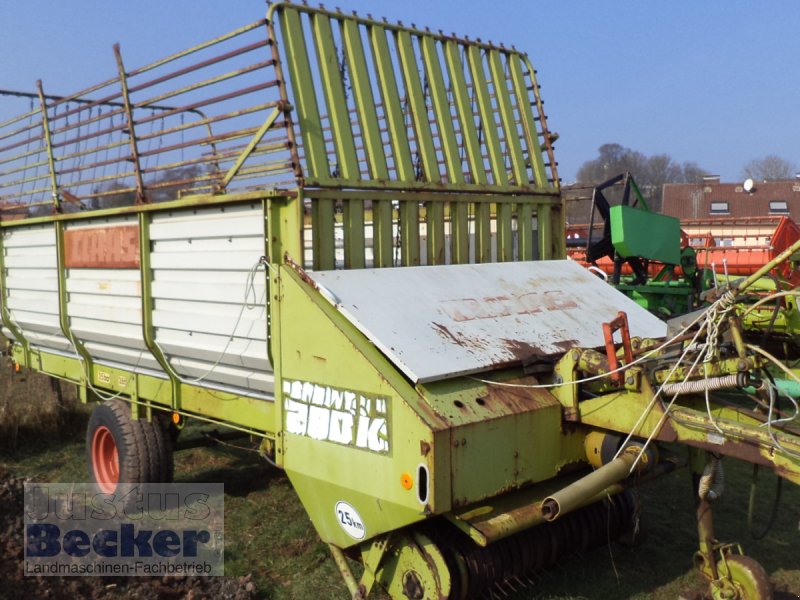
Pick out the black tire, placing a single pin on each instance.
(111, 424)
(165, 445)
(143, 449)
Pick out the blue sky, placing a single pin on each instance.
(713, 82)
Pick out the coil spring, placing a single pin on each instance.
(701, 385)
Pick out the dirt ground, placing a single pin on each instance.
(14, 584)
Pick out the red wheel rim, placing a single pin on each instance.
(105, 459)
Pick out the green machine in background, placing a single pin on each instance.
(632, 237)
(643, 254)
(348, 243)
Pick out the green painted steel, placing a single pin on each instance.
(23, 346)
(48, 140)
(63, 315)
(649, 235)
(148, 328)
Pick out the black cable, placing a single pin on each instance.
(779, 484)
(773, 515)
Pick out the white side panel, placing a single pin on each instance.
(204, 323)
(105, 308)
(32, 282)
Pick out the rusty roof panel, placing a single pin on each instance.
(440, 322)
(694, 201)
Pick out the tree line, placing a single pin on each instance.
(652, 172)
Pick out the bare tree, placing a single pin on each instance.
(650, 172)
(770, 168)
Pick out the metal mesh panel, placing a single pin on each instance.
(158, 132)
(379, 104)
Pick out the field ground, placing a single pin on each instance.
(270, 539)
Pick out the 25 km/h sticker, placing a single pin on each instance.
(349, 520)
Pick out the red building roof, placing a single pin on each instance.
(715, 199)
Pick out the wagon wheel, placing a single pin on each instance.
(741, 578)
(121, 449)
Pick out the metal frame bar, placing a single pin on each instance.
(141, 198)
(268, 123)
(51, 161)
(148, 328)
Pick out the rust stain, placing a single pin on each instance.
(444, 332)
(740, 450)
(300, 271)
(517, 400)
(114, 247)
(460, 340)
(492, 307)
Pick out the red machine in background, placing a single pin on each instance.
(725, 245)
(738, 246)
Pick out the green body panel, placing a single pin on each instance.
(320, 347)
(663, 298)
(638, 232)
(475, 443)
(511, 438)
(240, 412)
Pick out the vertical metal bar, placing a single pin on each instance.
(284, 226)
(505, 235)
(480, 88)
(148, 327)
(141, 198)
(51, 160)
(63, 313)
(491, 141)
(544, 219)
(323, 223)
(382, 211)
(419, 111)
(409, 233)
(483, 232)
(449, 145)
(507, 119)
(344, 145)
(365, 103)
(441, 110)
(279, 76)
(558, 230)
(525, 230)
(5, 312)
(471, 145)
(316, 154)
(305, 99)
(335, 99)
(370, 130)
(354, 238)
(434, 219)
(426, 150)
(528, 122)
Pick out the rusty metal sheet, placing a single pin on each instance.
(115, 247)
(444, 321)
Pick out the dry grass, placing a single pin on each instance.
(35, 407)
